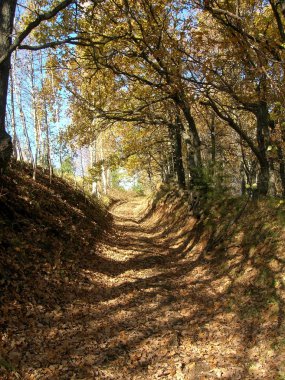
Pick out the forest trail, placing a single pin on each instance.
(148, 306)
(169, 314)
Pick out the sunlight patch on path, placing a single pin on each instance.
(149, 304)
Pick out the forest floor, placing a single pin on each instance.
(150, 302)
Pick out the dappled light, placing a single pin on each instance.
(148, 300)
(142, 190)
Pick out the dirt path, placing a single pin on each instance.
(148, 306)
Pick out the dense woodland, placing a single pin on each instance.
(183, 91)
(182, 102)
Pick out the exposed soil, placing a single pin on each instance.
(150, 302)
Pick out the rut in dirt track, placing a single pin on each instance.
(168, 314)
(149, 305)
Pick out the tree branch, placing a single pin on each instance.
(32, 25)
(54, 44)
(234, 126)
(278, 20)
(223, 12)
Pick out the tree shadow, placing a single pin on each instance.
(141, 305)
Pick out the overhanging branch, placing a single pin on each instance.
(33, 24)
(54, 44)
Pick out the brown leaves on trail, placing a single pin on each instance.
(148, 303)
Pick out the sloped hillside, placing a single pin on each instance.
(47, 230)
(235, 252)
(162, 295)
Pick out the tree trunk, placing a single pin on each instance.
(13, 121)
(47, 152)
(243, 180)
(212, 128)
(82, 168)
(263, 179)
(194, 148)
(29, 152)
(37, 128)
(281, 169)
(175, 134)
(185, 108)
(7, 12)
(262, 136)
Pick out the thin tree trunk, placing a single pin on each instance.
(30, 157)
(243, 180)
(262, 136)
(193, 145)
(57, 121)
(104, 179)
(93, 163)
(175, 134)
(212, 128)
(47, 153)
(281, 169)
(82, 169)
(37, 130)
(7, 12)
(13, 117)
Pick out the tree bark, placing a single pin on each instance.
(7, 12)
(47, 152)
(281, 169)
(29, 152)
(194, 147)
(262, 136)
(37, 128)
(260, 110)
(185, 108)
(175, 135)
(15, 140)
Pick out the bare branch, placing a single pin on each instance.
(223, 12)
(54, 44)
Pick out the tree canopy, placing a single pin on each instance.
(187, 91)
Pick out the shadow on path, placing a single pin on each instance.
(148, 304)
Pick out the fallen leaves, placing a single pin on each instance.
(139, 305)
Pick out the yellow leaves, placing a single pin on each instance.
(90, 359)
